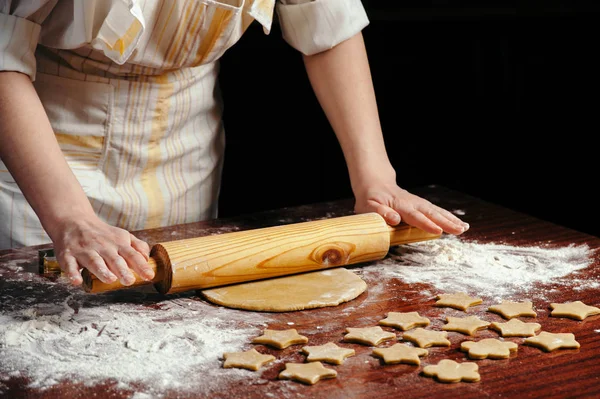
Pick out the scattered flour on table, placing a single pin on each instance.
(149, 351)
(496, 271)
(178, 346)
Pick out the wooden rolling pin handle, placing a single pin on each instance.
(91, 283)
(405, 234)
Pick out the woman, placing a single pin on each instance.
(111, 119)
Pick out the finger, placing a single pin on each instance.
(140, 246)
(118, 266)
(447, 225)
(453, 218)
(136, 262)
(390, 216)
(444, 219)
(418, 219)
(71, 268)
(96, 265)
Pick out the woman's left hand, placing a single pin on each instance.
(396, 204)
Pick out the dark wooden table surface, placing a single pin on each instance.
(529, 373)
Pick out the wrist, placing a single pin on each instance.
(59, 221)
(372, 174)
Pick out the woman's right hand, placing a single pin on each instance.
(110, 253)
(30, 151)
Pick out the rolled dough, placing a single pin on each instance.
(284, 294)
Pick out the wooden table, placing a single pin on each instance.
(530, 373)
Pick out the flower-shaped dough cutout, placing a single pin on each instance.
(550, 341)
(508, 309)
(368, 336)
(459, 300)
(250, 360)
(516, 328)
(280, 339)
(400, 353)
(426, 338)
(404, 321)
(330, 353)
(575, 310)
(450, 371)
(308, 373)
(466, 325)
(489, 348)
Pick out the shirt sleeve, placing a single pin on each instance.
(20, 26)
(313, 26)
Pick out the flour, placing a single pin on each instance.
(145, 344)
(495, 271)
(175, 345)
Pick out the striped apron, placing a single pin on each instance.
(137, 113)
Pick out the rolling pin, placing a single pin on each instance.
(242, 256)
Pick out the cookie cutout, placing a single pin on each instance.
(329, 353)
(280, 339)
(508, 309)
(404, 321)
(426, 338)
(368, 336)
(400, 353)
(459, 300)
(466, 325)
(307, 373)
(489, 348)
(550, 341)
(250, 360)
(450, 371)
(574, 310)
(516, 328)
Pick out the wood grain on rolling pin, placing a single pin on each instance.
(223, 259)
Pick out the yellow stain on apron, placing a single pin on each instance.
(160, 124)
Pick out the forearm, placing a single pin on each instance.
(31, 153)
(341, 79)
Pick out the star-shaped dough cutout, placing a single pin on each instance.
(575, 310)
(516, 328)
(251, 360)
(308, 373)
(550, 341)
(400, 353)
(426, 338)
(368, 336)
(508, 309)
(459, 300)
(489, 348)
(280, 339)
(404, 321)
(466, 325)
(450, 371)
(330, 353)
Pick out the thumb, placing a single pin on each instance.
(390, 216)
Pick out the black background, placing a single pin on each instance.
(495, 100)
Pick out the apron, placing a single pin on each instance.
(135, 108)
